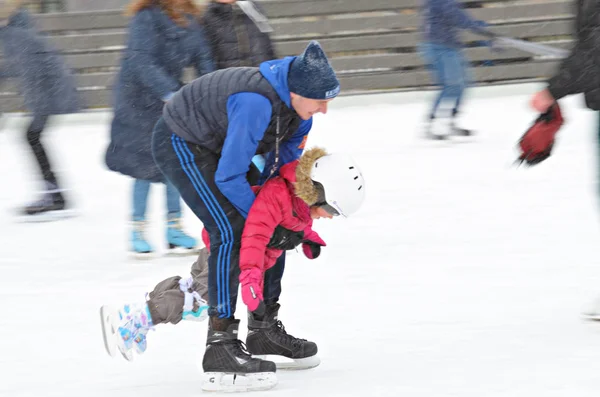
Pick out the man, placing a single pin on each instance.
(239, 35)
(578, 73)
(204, 144)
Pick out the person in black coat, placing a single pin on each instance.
(238, 32)
(162, 41)
(579, 73)
(48, 88)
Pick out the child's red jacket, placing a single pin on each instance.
(276, 205)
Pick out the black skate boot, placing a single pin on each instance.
(227, 364)
(267, 337)
(51, 206)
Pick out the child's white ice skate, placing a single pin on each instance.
(124, 329)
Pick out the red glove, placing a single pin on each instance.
(251, 281)
(536, 144)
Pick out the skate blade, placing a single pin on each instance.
(432, 136)
(591, 316)
(435, 137)
(591, 311)
(142, 256)
(182, 251)
(232, 383)
(463, 134)
(291, 364)
(112, 341)
(49, 216)
(108, 331)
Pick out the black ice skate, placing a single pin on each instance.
(227, 364)
(267, 338)
(51, 206)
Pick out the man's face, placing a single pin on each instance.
(306, 107)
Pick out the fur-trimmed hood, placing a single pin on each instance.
(304, 187)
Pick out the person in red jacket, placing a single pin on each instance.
(318, 185)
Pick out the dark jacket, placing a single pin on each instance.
(44, 80)
(235, 39)
(152, 68)
(580, 71)
(235, 113)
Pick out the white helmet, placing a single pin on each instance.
(342, 182)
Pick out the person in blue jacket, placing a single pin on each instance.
(164, 38)
(48, 88)
(204, 144)
(442, 50)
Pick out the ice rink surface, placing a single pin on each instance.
(462, 275)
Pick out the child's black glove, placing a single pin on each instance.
(285, 239)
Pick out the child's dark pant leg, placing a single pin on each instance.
(272, 285)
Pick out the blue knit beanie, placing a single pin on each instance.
(311, 75)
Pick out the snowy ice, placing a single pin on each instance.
(462, 275)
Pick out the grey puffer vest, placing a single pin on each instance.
(198, 113)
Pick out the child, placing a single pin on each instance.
(318, 185)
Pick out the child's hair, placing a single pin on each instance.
(189, 7)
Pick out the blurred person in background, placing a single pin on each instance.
(239, 35)
(164, 38)
(238, 32)
(579, 73)
(48, 88)
(442, 51)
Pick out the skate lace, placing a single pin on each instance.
(239, 349)
(284, 335)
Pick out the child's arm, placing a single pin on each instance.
(264, 216)
(311, 246)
